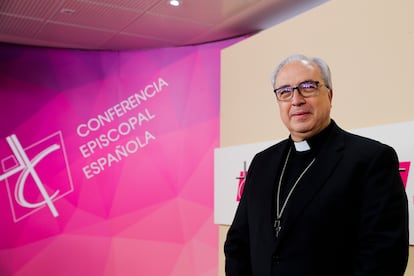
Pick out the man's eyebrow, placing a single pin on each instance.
(283, 86)
(287, 85)
(306, 81)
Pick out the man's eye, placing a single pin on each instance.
(308, 85)
(284, 91)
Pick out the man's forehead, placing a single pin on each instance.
(296, 71)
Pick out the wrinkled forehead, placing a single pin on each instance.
(296, 72)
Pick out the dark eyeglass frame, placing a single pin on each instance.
(300, 89)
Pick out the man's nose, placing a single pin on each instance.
(297, 98)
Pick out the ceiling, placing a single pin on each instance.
(138, 24)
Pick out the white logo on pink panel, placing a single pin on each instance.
(36, 176)
(242, 181)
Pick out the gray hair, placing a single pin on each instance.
(323, 66)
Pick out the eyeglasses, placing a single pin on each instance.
(306, 89)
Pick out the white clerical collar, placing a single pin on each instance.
(302, 146)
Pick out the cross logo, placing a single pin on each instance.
(36, 176)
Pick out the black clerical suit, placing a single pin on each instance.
(347, 215)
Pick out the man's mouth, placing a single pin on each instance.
(300, 113)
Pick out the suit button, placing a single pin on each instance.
(276, 259)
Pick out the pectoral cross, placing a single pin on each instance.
(277, 227)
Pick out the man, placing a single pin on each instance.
(323, 201)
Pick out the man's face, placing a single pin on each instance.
(304, 117)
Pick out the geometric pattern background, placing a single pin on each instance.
(147, 212)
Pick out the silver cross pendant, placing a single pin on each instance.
(277, 227)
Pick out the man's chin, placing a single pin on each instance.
(302, 132)
(302, 127)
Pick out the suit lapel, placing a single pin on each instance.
(313, 181)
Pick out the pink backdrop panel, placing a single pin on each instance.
(106, 161)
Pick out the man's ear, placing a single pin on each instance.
(330, 95)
